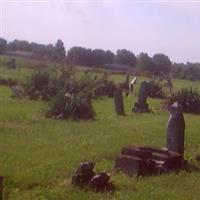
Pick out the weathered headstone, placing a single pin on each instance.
(176, 129)
(1, 187)
(125, 85)
(118, 101)
(141, 105)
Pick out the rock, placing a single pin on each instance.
(136, 152)
(132, 166)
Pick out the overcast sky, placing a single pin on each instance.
(166, 27)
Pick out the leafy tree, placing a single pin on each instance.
(126, 57)
(98, 57)
(3, 44)
(145, 62)
(79, 56)
(109, 56)
(162, 63)
(59, 51)
(22, 45)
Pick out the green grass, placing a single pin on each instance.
(38, 155)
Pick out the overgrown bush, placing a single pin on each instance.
(156, 90)
(104, 87)
(75, 100)
(7, 82)
(189, 99)
(40, 86)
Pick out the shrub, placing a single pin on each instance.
(156, 90)
(104, 87)
(40, 86)
(189, 99)
(75, 100)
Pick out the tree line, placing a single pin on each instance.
(157, 64)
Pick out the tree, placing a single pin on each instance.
(21, 45)
(162, 63)
(3, 44)
(59, 51)
(80, 56)
(126, 57)
(109, 56)
(145, 62)
(98, 57)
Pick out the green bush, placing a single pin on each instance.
(40, 86)
(75, 100)
(104, 87)
(156, 90)
(189, 99)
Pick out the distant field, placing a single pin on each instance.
(39, 155)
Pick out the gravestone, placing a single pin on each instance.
(141, 105)
(118, 101)
(125, 85)
(1, 187)
(176, 129)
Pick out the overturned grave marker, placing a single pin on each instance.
(143, 161)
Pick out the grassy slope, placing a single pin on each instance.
(38, 155)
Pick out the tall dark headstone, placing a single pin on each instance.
(118, 101)
(141, 105)
(176, 129)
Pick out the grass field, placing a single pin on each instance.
(39, 155)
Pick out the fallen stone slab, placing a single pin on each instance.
(130, 165)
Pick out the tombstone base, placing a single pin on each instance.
(141, 108)
(145, 161)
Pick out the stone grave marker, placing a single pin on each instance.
(141, 105)
(176, 129)
(118, 101)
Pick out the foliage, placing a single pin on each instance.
(145, 62)
(75, 100)
(88, 57)
(189, 99)
(59, 51)
(126, 57)
(3, 44)
(40, 86)
(189, 71)
(104, 87)
(156, 90)
(162, 63)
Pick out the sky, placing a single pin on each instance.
(169, 27)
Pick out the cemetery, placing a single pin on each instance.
(74, 134)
